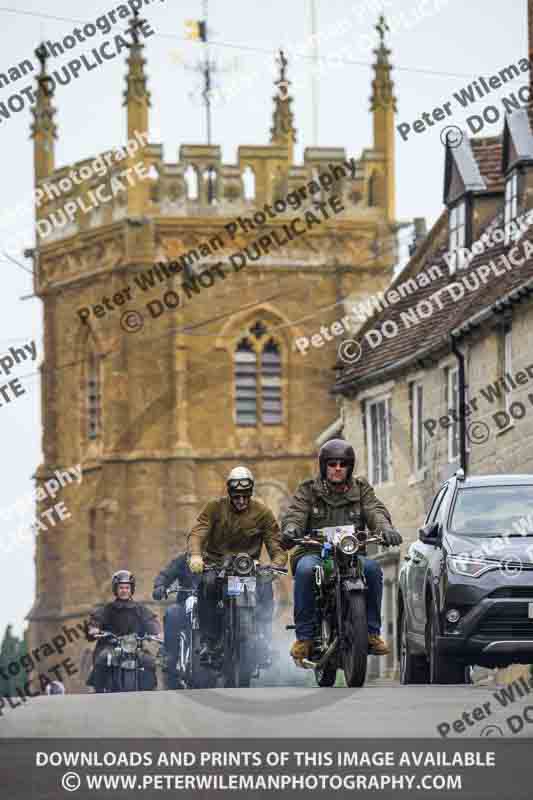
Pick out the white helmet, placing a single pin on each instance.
(240, 481)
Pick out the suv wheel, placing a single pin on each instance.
(441, 669)
(413, 669)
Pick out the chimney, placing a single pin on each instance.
(420, 228)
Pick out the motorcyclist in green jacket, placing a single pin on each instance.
(334, 498)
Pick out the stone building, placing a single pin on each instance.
(159, 409)
(473, 310)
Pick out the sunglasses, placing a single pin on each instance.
(339, 463)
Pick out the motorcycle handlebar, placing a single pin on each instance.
(261, 568)
(316, 538)
(146, 637)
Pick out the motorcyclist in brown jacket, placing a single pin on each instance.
(334, 498)
(228, 526)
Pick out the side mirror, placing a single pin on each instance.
(430, 534)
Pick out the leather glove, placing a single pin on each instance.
(159, 593)
(391, 537)
(288, 536)
(196, 564)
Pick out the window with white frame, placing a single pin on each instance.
(416, 391)
(507, 363)
(511, 203)
(457, 235)
(452, 406)
(378, 431)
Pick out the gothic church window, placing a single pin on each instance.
(258, 388)
(246, 384)
(271, 384)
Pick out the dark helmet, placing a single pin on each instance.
(240, 481)
(336, 449)
(123, 576)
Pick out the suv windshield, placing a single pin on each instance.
(491, 510)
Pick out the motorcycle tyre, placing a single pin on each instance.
(199, 676)
(129, 680)
(356, 639)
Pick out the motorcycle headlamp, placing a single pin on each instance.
(243, 564)
(348, 545)
(129, 643)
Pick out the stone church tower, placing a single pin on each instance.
(158, 416)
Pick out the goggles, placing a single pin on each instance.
(337, 462)
(244, 483)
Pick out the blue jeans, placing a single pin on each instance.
(305, 611)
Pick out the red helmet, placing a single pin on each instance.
(336, 449)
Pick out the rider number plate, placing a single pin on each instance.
(236, 584)
(530, 610)
(335, 533)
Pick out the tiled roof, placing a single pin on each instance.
(413, 340)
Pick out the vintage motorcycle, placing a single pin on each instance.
(239, 653)
(124, 661)
(190, 672)
(341, 640)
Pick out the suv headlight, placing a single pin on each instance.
(472, 567)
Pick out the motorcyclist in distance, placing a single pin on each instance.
(175, 617)
(121, 616)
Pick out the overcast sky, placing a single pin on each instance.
(432, 59)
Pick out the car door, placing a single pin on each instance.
(421, 556)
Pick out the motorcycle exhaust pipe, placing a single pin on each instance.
(320, 664)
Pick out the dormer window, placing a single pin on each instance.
(457, 236)
(511, 203)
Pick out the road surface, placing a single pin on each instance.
(380, 710)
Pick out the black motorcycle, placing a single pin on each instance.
(240, 652)
(341, 640)
(191, 674)
(124, 661)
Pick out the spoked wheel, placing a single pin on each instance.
(199, 677)
(232, 649)
(355, 639)
(129, 680)
(327, 676)
(442, 669)
(413, 669)
(247, 645)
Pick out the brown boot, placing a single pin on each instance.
(377, 646)
(301, 649)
